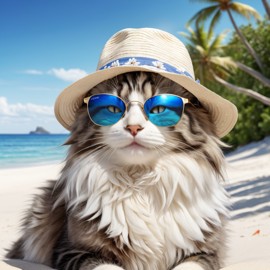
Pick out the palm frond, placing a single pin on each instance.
(224, 62)
(201, 37)
(185, 35)
(190, 36)
(203, 14)
(217, 42)
(214, 21)
(245, 10)
(205, 53)
(196, 37)
(201, 50)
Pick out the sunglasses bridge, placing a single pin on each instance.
(141, 105)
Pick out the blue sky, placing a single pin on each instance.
(45, 45)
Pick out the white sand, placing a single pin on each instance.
(16, 189)
(248, 184)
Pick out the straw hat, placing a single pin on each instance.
(151, 50)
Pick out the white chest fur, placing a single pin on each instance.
(158, 212)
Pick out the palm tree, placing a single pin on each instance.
(215, 11)
(209, 64)
(267, 7)
(255, 74)
(205, 50)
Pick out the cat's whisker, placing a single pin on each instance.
(95, 144)
(104, 155)
(95, 138)
(171, 144)
(160, 151)
(182, 147)
(85, 149)
(112, 152)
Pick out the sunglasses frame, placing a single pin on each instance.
(86, 101)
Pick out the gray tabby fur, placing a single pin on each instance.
(160, 207)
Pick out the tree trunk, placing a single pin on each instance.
(245, 42)
(267, 7)
(248, 92)
(255, 74)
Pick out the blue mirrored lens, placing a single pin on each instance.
(106, 110)
(164, 110)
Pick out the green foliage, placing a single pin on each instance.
(210, 56)
(265, 123)
(254, 117)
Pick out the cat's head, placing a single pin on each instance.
(136, 140)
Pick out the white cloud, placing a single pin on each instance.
(33, 72)
(24, 110)
(24, 117)
(70, 75)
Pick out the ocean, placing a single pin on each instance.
(23, 150)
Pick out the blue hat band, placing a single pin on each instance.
(148, 63)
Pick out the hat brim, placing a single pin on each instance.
(224, 113)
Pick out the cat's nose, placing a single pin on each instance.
(134, 129)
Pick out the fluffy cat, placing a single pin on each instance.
(133, 196)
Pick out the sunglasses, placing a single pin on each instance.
(163, 110)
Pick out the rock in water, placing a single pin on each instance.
(39, 130)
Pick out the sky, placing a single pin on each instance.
(45, 45)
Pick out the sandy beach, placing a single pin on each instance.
(248, 183)
(16, 189)
(249, 186)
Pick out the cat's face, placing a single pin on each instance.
(134, 139)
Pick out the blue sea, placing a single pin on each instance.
(23, 150)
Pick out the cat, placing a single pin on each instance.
(133, 195)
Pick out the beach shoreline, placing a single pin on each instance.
(24, 150)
